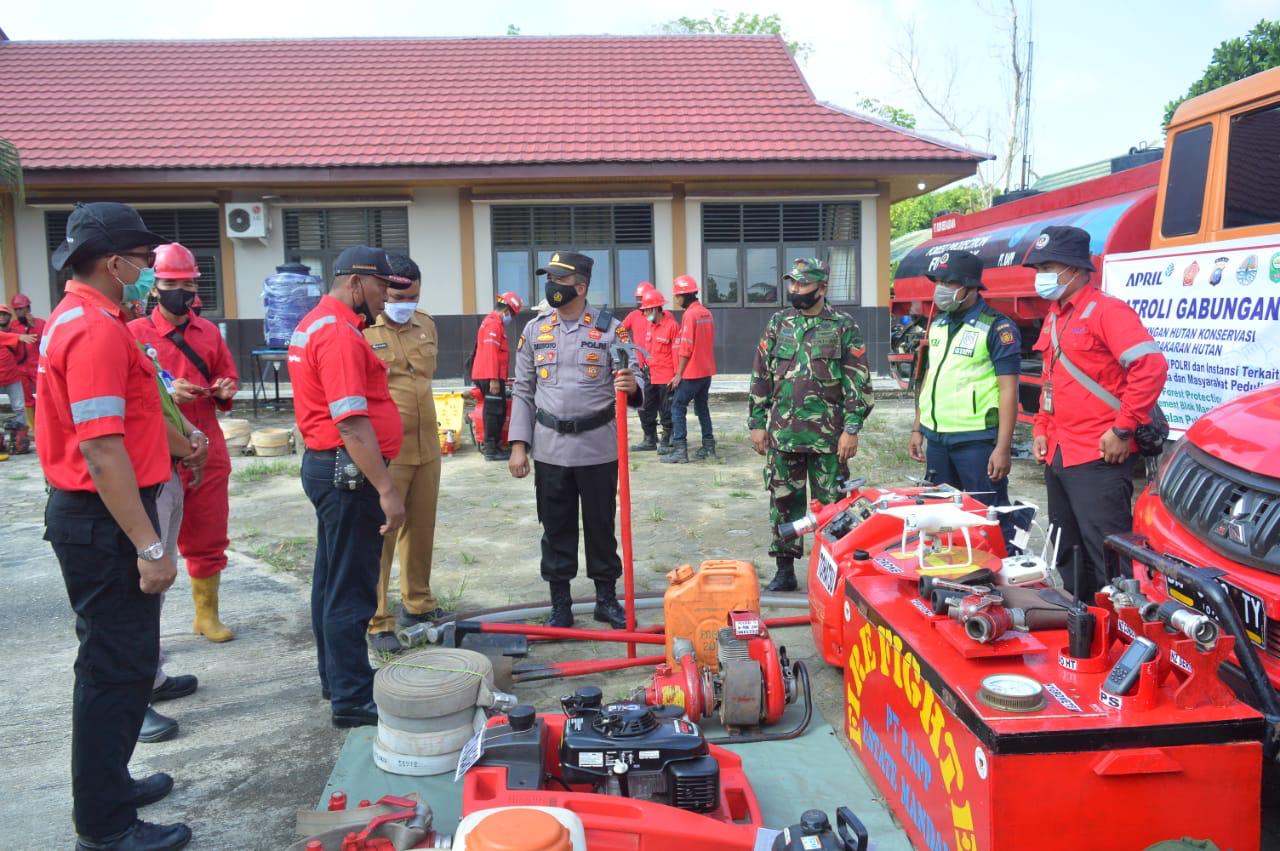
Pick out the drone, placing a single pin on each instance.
(931, 521)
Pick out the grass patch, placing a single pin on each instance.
(742, 495)
(716, 504)
(453, 597)
(720, 481)
(656, 514)
(294, 555)
(19, 477)
(262, 470)
(468, 558)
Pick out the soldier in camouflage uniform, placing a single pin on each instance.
(810, 394)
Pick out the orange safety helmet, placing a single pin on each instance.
(512, 301)
(175, 262)
(684, 285)
(642, 288)
(652, 299)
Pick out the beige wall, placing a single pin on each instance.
(256, 261)
(33, 259)
(434, 235)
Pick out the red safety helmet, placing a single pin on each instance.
(642, 288)
(652, 299)
(174, 262)
(512, 301)
(20, 301)
(684, 285)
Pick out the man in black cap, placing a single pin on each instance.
(351, 427)
(967, 403)
(1102, 376)
(103, 447)
(563, 410)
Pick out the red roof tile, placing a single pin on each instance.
(426, 102)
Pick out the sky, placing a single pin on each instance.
(1101, 75)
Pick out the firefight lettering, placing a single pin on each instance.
(882, 650)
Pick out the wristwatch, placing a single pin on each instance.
(852, 428)
(155, 552)
(1123, 433)
(195, 432)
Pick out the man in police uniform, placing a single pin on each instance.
(351, 427)
(404, 338)
(563, 410)
(810, 394)
(967, 404)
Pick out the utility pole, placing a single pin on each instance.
(1026, 109)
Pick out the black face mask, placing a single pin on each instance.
(177, 302)
(4, 324)
(363, 309)
(558, 295)
(804, 301)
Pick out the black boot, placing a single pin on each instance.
(608, 609)
(785, 578)
(649, 444)
(664, 444)
(678, 454)
(708, 449)
(492, 452)
(157, 727)
(140, 836)
(561, 605)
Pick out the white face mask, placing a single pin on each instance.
(1048, 287)
(652, 316)
(945, 297)
(399, 312)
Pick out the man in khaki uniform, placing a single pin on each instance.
(404, 338)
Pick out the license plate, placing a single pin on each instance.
(1249, 606)
(827, 570)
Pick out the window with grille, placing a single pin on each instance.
(197, 229)
(747, 248)
(618, 237)
(315, 238)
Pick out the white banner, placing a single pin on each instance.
(1215, 311)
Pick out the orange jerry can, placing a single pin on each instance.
(697, 604)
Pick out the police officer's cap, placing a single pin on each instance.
(958, 267)
(363, 260)
(1061, 244)
(565, 263)
(102, 227)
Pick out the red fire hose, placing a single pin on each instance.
(624, 512)
(571, 633)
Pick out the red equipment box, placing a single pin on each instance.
(475, 418)
(872, 536)
(1071, 773)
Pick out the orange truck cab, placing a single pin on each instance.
(1215, 501)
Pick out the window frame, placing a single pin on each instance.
(329, 254)
(785, 249)
(622, 296)
(211, 255)
(1242, 230)
(1169, 183)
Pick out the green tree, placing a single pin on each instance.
(890, 113)
(512, 29)
(743, 24)
(10, 176)
(1235, 59)
(916, 213)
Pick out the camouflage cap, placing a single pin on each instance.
(808, 270)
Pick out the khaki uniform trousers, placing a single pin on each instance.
(419, 488)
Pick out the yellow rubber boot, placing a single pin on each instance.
(205, 594)
(31, 421)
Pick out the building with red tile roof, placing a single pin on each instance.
(659, 155)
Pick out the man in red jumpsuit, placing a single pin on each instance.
(1086, 443)
(489, 369)
(695, 366)
(658, 338)
(205, 381)
(13, 345)
(29, 356)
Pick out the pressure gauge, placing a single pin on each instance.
(1012, 693)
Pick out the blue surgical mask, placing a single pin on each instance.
(506, 318)
(139, 290)
(1048, 287)
(946, 298)
(399, 312)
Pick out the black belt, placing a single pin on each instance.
(578, 426)
(151, 491)
(332, 455)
